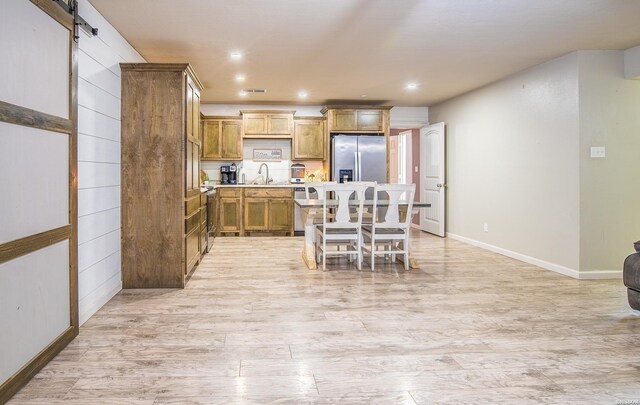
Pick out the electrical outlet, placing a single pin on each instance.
(486, 227)
(415, 169)
(598, 152)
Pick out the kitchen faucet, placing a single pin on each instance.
(267, 179)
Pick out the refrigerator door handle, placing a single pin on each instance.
(355, 166)
(359, 166)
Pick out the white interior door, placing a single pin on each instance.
(432, 181)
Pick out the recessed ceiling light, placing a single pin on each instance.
(412, 86)
(236, 55)
(364, 96)
(302, 94)
(242, 93)
(240, 78)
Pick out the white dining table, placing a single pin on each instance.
(312, 209)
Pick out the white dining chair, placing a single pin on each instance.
(317, 188)
(388, 229)
(339, 227)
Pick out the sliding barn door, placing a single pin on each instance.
(38, 190)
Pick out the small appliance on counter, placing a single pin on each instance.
(229, 174)
(224, 174)
(233, 174)
(297, 173)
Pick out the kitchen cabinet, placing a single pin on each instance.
(308, 139)
(230, 214)
(203, 223)
(268, 209)
(160, 186)
(354, 119)
(267, 124)
(255, 210)
(221, 138)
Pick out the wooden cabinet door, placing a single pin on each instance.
(264, 124)
(229, 220)
(211, 140)
(279, 124)
(189, 109)
(308, 139)
(280, 214)
(254, 124)
(256, 214)
(369, 120)
(195, 117)
(344, 120)
(231, 139)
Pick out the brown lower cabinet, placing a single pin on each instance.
(250, 211)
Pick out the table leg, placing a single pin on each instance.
(309, 252)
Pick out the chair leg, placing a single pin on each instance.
(324, 254)
(358, 254)
(373, 255)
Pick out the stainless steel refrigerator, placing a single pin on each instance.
(359, 158)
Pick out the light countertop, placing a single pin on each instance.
(281, 185)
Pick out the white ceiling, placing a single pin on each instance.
(339, 50)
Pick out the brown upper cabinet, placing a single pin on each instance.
(308, 138)
(221, 138)
(266, 124)
(353, 119)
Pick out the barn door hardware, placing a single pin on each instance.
(71, 7)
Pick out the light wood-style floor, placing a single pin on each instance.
(255, 326)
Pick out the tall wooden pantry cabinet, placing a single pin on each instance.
(160, 183)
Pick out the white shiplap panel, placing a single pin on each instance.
(91, 175)
(93, 72)
(92, 149)
(99, 125)
(93, 200)
(98, 274)
(95, 250)
(94, 98)
(34, 185)
(34, 66)
(101, 52)
(34, 304)
(102, 293)
(97, 224)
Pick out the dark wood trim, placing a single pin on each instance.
(27, 117)
(55, 12)
(31, 243)
(19, 379)
(73, 186)
(159, 67)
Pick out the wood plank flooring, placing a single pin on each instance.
(255, 326)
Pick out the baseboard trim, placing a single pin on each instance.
(580, 275)
(600, 274)
(99, 301)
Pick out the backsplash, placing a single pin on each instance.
(279, 171)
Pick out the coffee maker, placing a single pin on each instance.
(228, 174)
(224, 174)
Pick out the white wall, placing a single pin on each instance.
(512, 163)
(99, 275)
(609, 191)
(632, 63)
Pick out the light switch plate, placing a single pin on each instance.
(598, 152)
